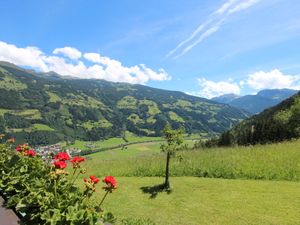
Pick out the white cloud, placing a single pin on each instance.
(243, 5)
(69, 52)
(29, 56)
(93, 57)
(211, 25)
(102, 67)
(272, 80)
(204, 35)
(113, 70)
(210, 89)
(253, 83)
(225, 6)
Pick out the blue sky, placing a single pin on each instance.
(202, 47)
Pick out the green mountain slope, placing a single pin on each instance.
(45, 108)
(281, 122)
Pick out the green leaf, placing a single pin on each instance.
(13, 161)
(51, 216)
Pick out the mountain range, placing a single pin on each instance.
(256, 103)
(43, 108)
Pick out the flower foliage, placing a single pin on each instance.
(45, 193)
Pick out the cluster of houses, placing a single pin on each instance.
(49, 151)
(90, 145)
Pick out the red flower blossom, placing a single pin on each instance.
(22, 147)
(30, 153)
(62, 156)
(19, 148)
(60, 164)
(110, 181)
(94, 179)
(77, 159)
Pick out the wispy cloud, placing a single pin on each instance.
(210, 26)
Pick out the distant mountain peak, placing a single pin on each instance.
(257, 103)
(226, 98)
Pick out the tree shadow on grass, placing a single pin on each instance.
(154, 190)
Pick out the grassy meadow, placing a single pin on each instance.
(266, 162)
(261, 185)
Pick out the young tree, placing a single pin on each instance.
(174, 142)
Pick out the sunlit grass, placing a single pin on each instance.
(195, 201)
(269, 162)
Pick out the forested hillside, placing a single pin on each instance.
(281, 122)
(45, 108)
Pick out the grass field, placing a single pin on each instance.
(39, 126)
(113, 141)
(256, 185)
(269, 162)
(130, 137)
(264, 190)
(196, 201)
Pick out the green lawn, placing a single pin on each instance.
(203, 201)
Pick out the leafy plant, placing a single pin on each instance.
(45, 192)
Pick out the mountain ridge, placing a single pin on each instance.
(41, 110)
(256, 103)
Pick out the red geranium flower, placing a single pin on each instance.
(30, 153)
(77, 159)
(110, 181)
(22, 147)
(94, 179)
(60, 164)
(62, 156)
(19, 148)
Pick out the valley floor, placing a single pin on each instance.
(210, 201)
